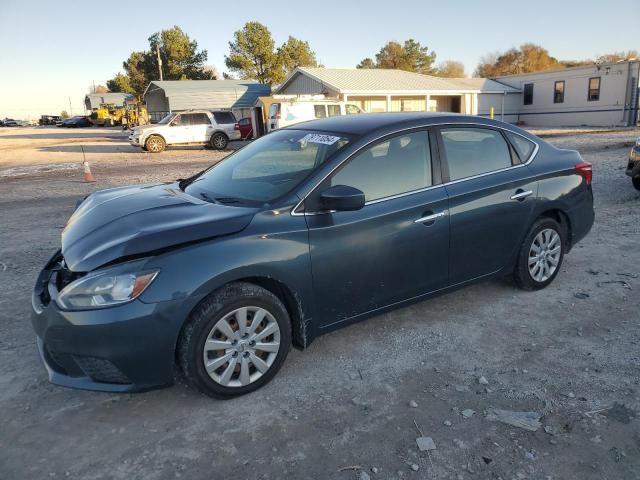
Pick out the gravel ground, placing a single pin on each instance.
(357, 397)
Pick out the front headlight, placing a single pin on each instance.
(106, 288)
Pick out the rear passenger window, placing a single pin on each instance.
(523, 146)
(473, 151)
(333, 110)
(199, 119)
(320, 111)
(390, 167)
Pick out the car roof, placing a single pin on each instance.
(365, 123)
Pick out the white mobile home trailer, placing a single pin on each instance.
(593, 95)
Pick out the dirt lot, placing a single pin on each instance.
(347, 401)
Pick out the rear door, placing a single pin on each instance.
(394, 248)
(491, 198)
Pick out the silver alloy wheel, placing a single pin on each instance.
(154, 144)
(241, 346)
(544, 254)
(219, 142)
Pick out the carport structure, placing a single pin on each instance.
(384, 90)
(163, 97)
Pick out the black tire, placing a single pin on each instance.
(219, 141)
(203, 319)
(155, 144)
(522, 276)
(636, 182)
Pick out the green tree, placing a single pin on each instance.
(411, 57)
(120, 83)
(179, 57)
(296, 53)
(451, 69)
(64, 114)
(527, 58)
(366, 63)
(138, 73)
(252, 55)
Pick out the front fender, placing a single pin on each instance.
(272, 246)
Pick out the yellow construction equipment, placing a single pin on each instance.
(131, 114)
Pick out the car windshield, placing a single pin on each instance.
(266, 168)
(166, 119)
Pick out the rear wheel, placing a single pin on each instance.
(155, 144)
(219, 141)
(235, 341)
(541, 255)
(636, 182)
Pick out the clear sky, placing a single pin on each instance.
(52, 50)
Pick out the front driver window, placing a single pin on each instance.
(389, 167)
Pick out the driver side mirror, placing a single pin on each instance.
(342, 198)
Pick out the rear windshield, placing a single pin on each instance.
(267, 168)
(224, 117)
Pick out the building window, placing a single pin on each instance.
(558, 92)
(528, 93)
(594, 89)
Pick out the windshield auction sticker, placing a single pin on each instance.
(318, 138)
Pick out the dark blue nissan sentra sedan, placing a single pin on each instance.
(301, 232)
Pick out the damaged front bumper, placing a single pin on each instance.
(126, 348)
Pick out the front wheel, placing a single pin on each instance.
(155, 144)
(636, 182)
(235, 341)
(541, 255)
(219, 141)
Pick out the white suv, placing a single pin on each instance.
(194, 126)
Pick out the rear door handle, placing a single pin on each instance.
(521, 194)
(431, 217)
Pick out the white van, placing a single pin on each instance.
(285, 113)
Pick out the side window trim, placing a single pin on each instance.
(446, 179)
(437, 156)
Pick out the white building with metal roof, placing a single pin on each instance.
(163, 97)
(382, 90)
(593, 95)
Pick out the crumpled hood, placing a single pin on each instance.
(119, 222)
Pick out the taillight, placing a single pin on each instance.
(236, 127)
(585, 171)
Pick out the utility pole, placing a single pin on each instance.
(70, 108)
(159, 61)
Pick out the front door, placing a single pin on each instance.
(179, 129)
(393, 249)
(491, 198)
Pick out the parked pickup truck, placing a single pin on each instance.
(192, 127)
(633, 167)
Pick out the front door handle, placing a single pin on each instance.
(521, 194)
(431, 217)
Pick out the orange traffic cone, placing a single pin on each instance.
(88, 176)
